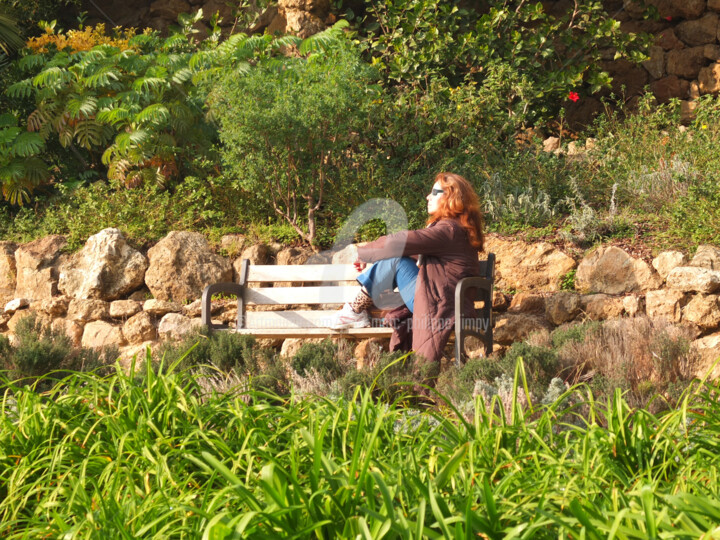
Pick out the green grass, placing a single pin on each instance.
(161, 456)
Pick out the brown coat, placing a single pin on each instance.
(447, 257)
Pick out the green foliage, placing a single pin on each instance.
(541, 364)
(567, 282)
(285, 126)
(48, 354)
(122, 456)
(322, 358)
(525, 59)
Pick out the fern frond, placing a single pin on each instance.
(37, 119)
(117, 169)
(286, 41)
(89, 134)
(149, 84)
(182, 76)
(155, 113)
(21, 89)
(124, 141)
(52, 77)
(27, 144)
(140, 40)
(8, 135)
(31, 62)
(36, 170)
(81, 105)
(114, 116)
(60, 59)
(173, 42)
(103, 77)
(323, 40)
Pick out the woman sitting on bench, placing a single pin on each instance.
(425, 266)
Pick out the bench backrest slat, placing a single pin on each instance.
(276, 296)
(301, 272)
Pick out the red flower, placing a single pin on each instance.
(668, 18)
(573, 96)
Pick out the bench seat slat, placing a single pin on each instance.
(315, 332)
(301, 272)
(300, 295)
(290, 319)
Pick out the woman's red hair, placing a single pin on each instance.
(460, 202)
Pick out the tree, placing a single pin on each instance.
(287, 123)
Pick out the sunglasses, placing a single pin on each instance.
(435, 192)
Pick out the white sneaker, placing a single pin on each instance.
(347, 318)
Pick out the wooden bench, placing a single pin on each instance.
(328, 286)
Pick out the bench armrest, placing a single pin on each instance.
(217, 288)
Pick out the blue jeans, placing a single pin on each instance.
(383, 276)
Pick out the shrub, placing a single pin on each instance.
(42, 352)
(319, 357)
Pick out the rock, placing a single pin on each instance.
(703, 311)
(346, 255)
(368, 351)
(706, 256)
(685, 63)
(655, 65)
(57, 306)
(99, 334)
(175, 326)
(599, 307)
(168, 9)
(628, 78)
(499, 301)
(698, 31)
(611, 270)
(714, 5)
(194, 309)
(8, 270)
(293, 255)
(527, 302)
(291, 346)
(16, 317)
(218, 6)
(72, 329)
(511, 327)
(88, 310)
(668, 40)
(712, 52)
(158, 308)
(528, 267)
(133, 356)
(122, 309)
(106, 268)
(562, 307)
(668, 88)
(16, 304)
(687, 111)
(256, 254)
(667, 260)
(664, 304)
(232, 244)
(708, 351)
(689, 9)
(186, 256)
(36, 264)
(551, 144)
(634, 305)
(694, 279)
(302, 23)
(139, 328)
(709, 79)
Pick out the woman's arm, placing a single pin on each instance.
(431, 241)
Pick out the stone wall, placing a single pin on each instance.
(111, 294)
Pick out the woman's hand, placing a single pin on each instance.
(359, 265)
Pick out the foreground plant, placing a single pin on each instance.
(155, 456)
